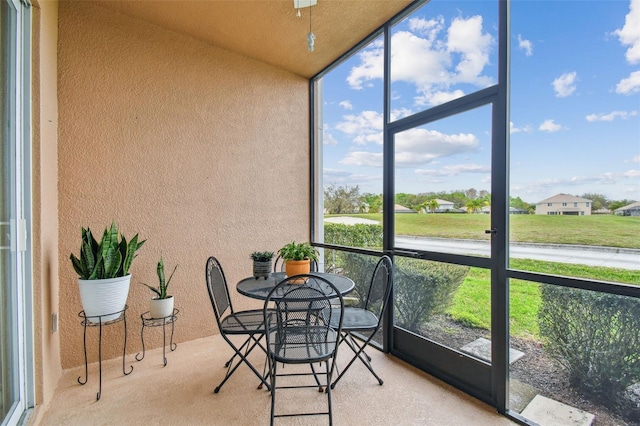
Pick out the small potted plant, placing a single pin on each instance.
(298, 257)
(261, 263)
(103, 272)
(161, 306)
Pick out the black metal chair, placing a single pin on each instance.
(368, 318)
(249, 323)
(300, 332)
(278, 264)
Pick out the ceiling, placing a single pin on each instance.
(268, 30)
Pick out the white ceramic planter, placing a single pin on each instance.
(104, 298)
(160, 308)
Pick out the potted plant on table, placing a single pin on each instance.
(298, 257)
(103, 272)
(261, 263)
(161, 306)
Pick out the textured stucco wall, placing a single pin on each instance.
(199, 150)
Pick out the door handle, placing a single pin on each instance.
(491, 231)
(407, 253)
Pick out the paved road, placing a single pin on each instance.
(584, 255)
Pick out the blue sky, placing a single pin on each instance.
(575, 100)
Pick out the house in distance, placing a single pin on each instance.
(564, 204)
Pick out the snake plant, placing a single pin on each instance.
(110, 258)
(163, 284)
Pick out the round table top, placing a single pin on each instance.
(259, 288)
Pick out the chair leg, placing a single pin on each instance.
(359, 352)
(328, 376)
(272, 373)
(243, 359)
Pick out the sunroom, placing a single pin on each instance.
(218, 128)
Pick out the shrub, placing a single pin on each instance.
(424, 288)
(595, 337)
(359, 235)
(358, 267)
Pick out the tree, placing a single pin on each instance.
(519, 204)
(614, 205)
(473, 206)
(374, 201)
(471, 193)
(598, 201)
(431, 204)
(458, 198)
(342, 199)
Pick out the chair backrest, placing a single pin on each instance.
(278, 264)
(217, 288)
(380, 287)
(304, 301)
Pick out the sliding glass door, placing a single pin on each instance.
(14, 300)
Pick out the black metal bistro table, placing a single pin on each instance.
(259, 288)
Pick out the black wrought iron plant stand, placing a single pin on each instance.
(147, 321)
(96, 321)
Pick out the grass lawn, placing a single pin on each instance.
(597, 230)
(472, 302)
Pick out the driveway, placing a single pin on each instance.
(585, 255)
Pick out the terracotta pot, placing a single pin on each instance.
(297, 267)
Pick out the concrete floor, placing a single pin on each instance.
(181, 394)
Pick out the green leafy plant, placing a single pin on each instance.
(423, 289)
(261, 256)
(595, 337)
(110, 258)
(163, 284)
(298, 251)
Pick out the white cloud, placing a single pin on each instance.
(549, 126)
(437, 98)
(629, 34)
(416, 147)
(346, 105)
(344, 177)
(431, 59)
(399, 113)
(429, 28)
(328, 139)
(362, 158)
(565, 85)
(525, 45)
(513, 129)
(632, 173)
(364, 127)
(334, 174)
(465, 37)
(630, 84)
(370, 68)
(635, 159)
(611, 116)
(454, 170)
